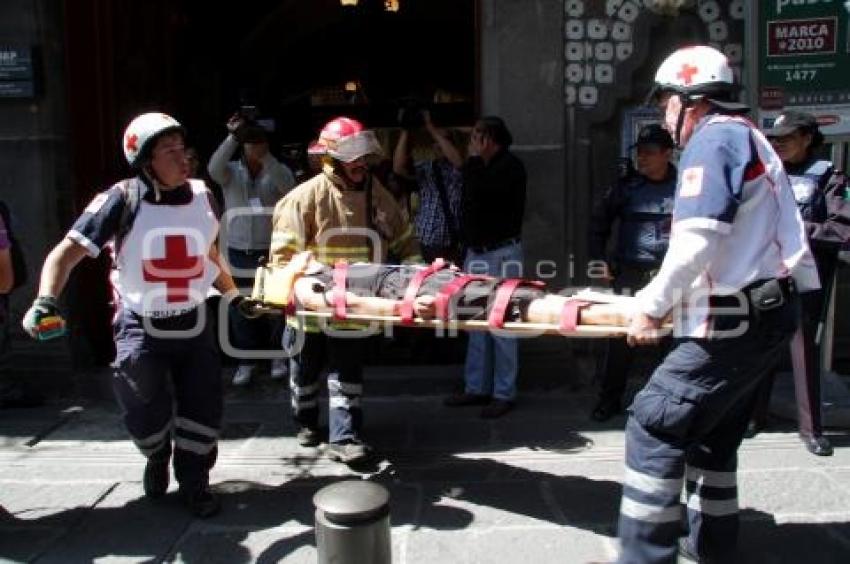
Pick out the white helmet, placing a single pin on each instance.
(143, 130)
(698, 72)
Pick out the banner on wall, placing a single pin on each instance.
(803, 61)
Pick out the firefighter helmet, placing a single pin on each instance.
(346, 140)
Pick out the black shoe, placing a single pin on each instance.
(155, 479)
(605, 410)
(308, 437)
(817, 444)
(464, 399)
(348, 452)
(201, 502)
(496, 409)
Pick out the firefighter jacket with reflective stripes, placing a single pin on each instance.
(324, 216)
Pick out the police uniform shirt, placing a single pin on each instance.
(735, 221)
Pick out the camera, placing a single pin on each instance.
(249, 113)
(410, 114)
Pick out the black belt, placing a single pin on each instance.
(487, 248)
(762, 294)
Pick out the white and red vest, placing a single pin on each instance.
(163, 267)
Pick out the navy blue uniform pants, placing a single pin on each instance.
(170, 385)
(343, 359)
(684, 430)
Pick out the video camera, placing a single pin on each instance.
(249, 113)
(411, 113)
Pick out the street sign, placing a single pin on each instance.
(804, 57)
(16, 72)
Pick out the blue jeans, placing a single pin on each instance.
(492, 362)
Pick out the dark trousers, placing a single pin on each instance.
(263, 333)
(619, 357)
(170, 385)
(684, 429)
(343, 359)
(808, 375)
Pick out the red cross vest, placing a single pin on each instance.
(163, 267)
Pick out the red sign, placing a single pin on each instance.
(771, 98)
(816, 36)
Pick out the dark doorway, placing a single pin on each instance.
(201, 61)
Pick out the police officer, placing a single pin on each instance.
(341, 214)
(820, 193)
(736, 236)
(161, 230)
(640, 204)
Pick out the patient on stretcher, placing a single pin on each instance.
(411, 292)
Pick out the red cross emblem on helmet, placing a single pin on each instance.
(345, 139)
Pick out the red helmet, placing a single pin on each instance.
(346, 140)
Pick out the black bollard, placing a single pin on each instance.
(353, 523)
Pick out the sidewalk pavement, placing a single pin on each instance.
(540, 485)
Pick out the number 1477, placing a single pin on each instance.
(800, 75)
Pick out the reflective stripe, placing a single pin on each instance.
(284, 237)
(348, 388)
(714, 507)
(650, 513)
(193, 446)
(304, 404)
(711, 478)
(302, 391)
(149, 451)
(195, 427)
(652, 485)
(343, 402)
(154, 439)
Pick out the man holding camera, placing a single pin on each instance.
(251, 185)
(439, 181)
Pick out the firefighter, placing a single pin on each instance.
(161, 229)
(737, 256)
(341, 214)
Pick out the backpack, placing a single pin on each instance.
(19, 264)
(132, 190)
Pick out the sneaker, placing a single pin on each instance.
(496, 409)
(243, 374)
(348, 452)
(308, 437)
(201, 502)
(280, 368)
(155, 479)
(464, 399)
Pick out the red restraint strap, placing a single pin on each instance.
(502, 299)
(413, 289)
(570, 313)
(444, 296)
(340, 275)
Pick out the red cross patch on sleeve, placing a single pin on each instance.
(691, 182)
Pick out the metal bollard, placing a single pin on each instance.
(353, 523)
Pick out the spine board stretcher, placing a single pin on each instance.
(274, 286)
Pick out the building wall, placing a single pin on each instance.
(34, 164)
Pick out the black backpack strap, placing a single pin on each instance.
(132, 190)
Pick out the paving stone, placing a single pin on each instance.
(803, 492)
(587, 501)
(487, 504)
(440, 546)
(545, 544)
(215, 546)
(124, 524)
